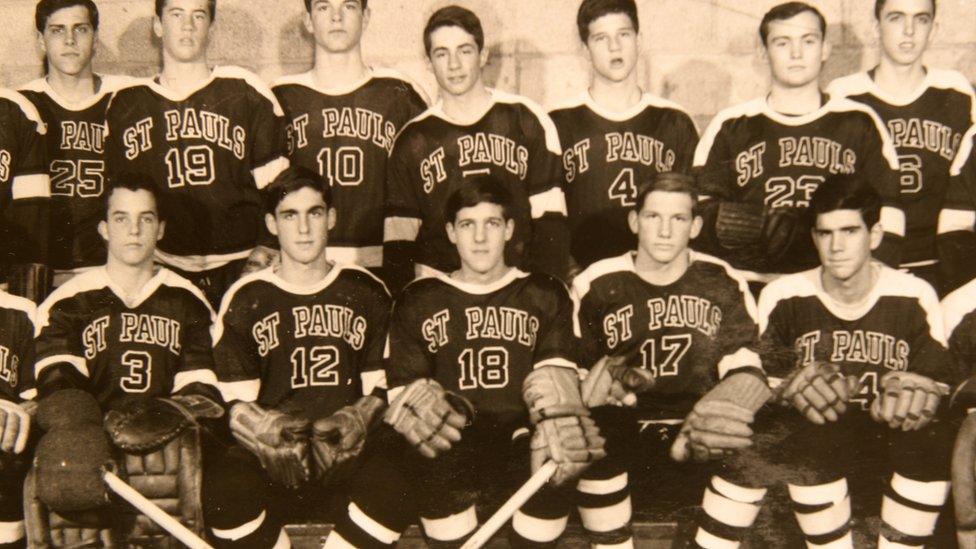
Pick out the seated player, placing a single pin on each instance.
(297, 347)
(136, 337)
(866, 376)
(686, 323)
(477, 359)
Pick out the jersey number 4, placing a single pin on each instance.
(664, 359)
(314, 367)
(623, 188)
(488, 368)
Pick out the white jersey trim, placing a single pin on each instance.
(943, 79)
(401, 229)
(199, 263)
(110, 83)
(200, 375)
(225, 71)
(964, 152)
(17, 303)
(28, 108)
(957, 305)
(307, 79)
(647, 100)
(365, 256)
(79, 364)
(512, 275)
(951, 220)
(245, 391)
(37, 185)
(551, 201)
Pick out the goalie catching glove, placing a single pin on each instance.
(279, 440)
(429, 417)
(564, 432)
(340, 437)
(819, 391)
(907, 401)
(611, 382)
(720, 422)
(144, 424)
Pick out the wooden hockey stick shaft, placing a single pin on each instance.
(514, 503)
(151, 510)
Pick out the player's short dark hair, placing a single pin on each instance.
(669, 182)
(880, 4)
(454, 16)
(132, 181)
(308, 4)
(211, 5)
(290, 180)
(474, 191)
(846, 192)
(46, 8)
(591, 10)
(786, 11)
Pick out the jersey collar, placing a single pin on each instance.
(800, 120)
(273, 277)
(174, 96)
(644, 102)
(437, 109)
(307, 79)
(483, 289)
(148, 289)
(875, 90)
(842, 310)
(109, 84)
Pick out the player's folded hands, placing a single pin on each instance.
(713, 430)
(14, 426)
(612, 382)
(820, 391)
(279, 440)
(908, 401)
(338, 438)
(430, 418)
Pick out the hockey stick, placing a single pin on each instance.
(514, 503)
(151, 510)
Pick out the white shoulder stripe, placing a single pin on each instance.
(842, 104)
(783, 288)
(852, 84)
(386, 72)
(583, 281)
(28, 108)
(735, 275)
(176, 281)
(965, 152)
(749, 108)
(957, 305)
(93, 279)
(217, 331)
(232, 71)
(17, 303)
(548, 126)
(897, 283)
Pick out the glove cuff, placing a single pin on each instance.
(744, 388)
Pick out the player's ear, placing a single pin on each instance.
(103, 230)
(509, 229)
(632, 221)
(484, 56)
(825, 52)
(157, 26)
(162, 231)
(307, 23)
(366, 13)
(332, 218)
(877, 235)
(451, 233)
(696, 226)
(271, 223)
(40, 42)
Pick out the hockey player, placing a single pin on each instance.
(957, 219)
(344, 116)
(137, 337)
(688, 321)
(471, 130)
(299, 347)
(762, 160)
(866, 378)
(615, 135)
(72, 100)
(211, 138)
(477, 359)
(926, 111)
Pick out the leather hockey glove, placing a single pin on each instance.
(611, 382)
(143, 425)
(261, 257)
(720, 423)
(819, 391)
(430, 418)
(908, 401)
(279, 440)
(739, 224)
(564, 432)
(14, 426)
(340, 437)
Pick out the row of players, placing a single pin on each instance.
(483, 370)
(211, 138)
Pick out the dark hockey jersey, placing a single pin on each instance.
(959, 318)
(689, 334)
(898, 327)
(75, 144)
(926, 130)
(309, 351)
(956, 242)
(347, 135)
(24, 184)
(156, 345)
(210, 151)
(16, 347)
(481, 340)
(606, 157)
(515, 142)
(753, 154)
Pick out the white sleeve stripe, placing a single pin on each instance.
(203, 375)
(397, 229)
(548, 126)
(742, 358)
(393, 393)
(964, 152)
(79, 363)
(245, 391)
(264, 175)
(552, 200)
(557, 362)
(31, 186)
(29, 394)
(372, 380)
(956, 306)
(893, 220)
(749, 108)
(956, 220)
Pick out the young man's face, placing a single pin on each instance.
(301, 222)
(905, 27)
(68, 40)
(480, 233)
(132, 227)
(665, 225)
(796, 50)
(184, 28)
(456, 60)
(844, 242)
(336, 25)
(613, 46)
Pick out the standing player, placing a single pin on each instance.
(926, 111)
(211, 138)
(344, 117)
(491, 343)
(855, 318)
(72, 101)
(762, 160)
(301, 345)
(472, 130)
(615, 136)
(688, 320)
